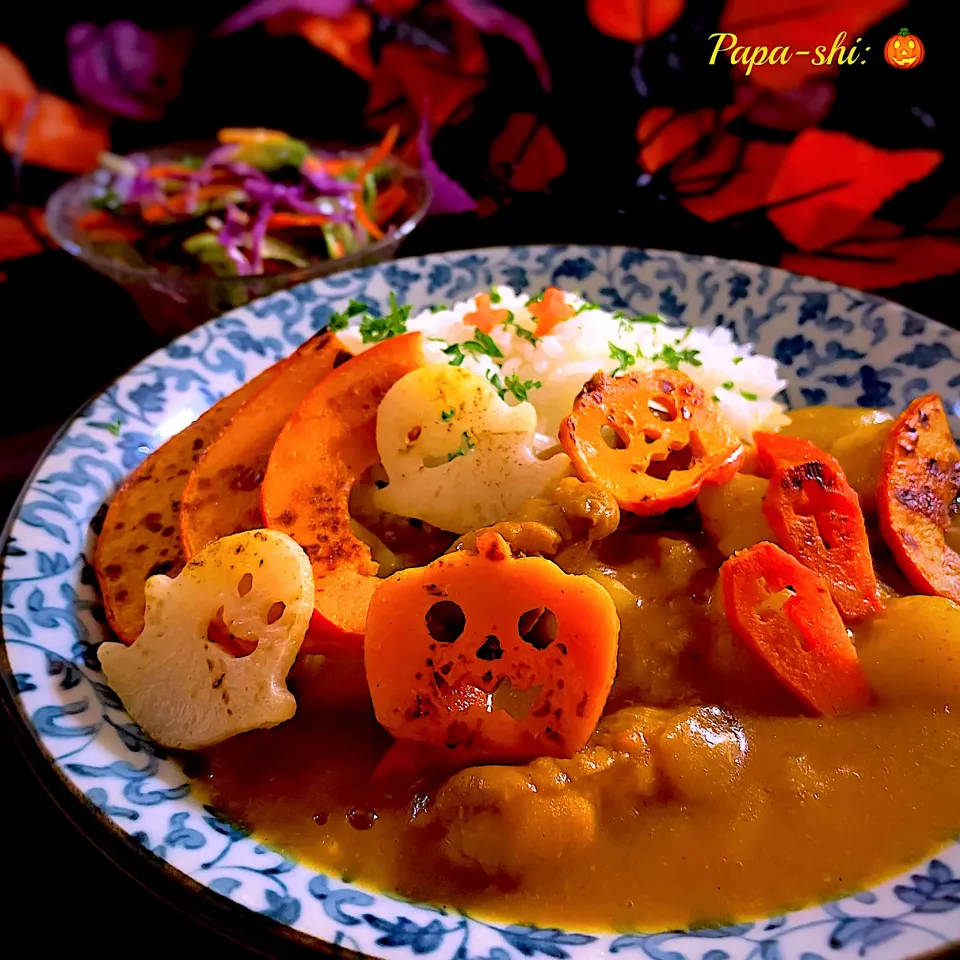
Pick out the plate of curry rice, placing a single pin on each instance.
(554, 601)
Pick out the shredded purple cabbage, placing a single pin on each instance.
(258, 233)
(231, 236)
(220, 155)
(278, 194)
(325, 184)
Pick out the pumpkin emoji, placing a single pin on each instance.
(490, 657)
(903, 50)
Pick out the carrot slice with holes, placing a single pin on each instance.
(222, 495)
(816, 517)
(551, 309)
(320, 454)
(652, 439)
(917, 496)
(491, 657)
(784, 613)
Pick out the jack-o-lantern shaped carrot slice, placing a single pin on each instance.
(491, 657)
(322, 452)
(917, 496)
(651, 439)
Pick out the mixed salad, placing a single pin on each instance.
(260, 202)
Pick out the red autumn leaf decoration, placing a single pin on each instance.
(43, 129)
(871, 264)
(346, 38)
(634, 20)
(820, 193)
(731, 180)
(526, 155)
(801, 25)
(417, 74)
(16, 238)
(51, 132)
(665, 134)
(16, 87)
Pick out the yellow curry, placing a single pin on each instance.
(708, 791)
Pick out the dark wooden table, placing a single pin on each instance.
(67, 333)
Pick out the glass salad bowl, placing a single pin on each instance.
(174, 300)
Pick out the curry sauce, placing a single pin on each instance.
(706, 794)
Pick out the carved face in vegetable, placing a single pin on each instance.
(491, 657)
(185, 690)
(651, 439)
(904, 50)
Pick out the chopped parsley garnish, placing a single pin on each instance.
(623, 357)
(467, 443)
(448, 415)
(482, 345)
(521, 388)
(438, 308)
(378, 329)
(494, 295)
(672, 358)
(513, 384)
(340, 321)
(537, 298)
(522, 332)
(586, 306)
(112, 427)
(455, 353)
(647, 318)
(747, 395)
(737, 360)
(497, 383)
(727, 385)
(715, 398)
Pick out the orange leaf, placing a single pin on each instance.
(634, 20)
(427, 75)
(16, 87)
(345, 38)
(796, 109)
(871, 265)
(16, 239)
(830, 183)
(664, 134)
(801, 25)
(731, 179)
(51, 132)
(526, 155)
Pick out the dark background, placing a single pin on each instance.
(68, 332)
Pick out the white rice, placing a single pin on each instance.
(744, 383)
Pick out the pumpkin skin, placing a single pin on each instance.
(904, 50)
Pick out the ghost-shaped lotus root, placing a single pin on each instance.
(183, 688)
(456, 455)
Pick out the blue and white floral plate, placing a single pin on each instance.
(835, 346)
